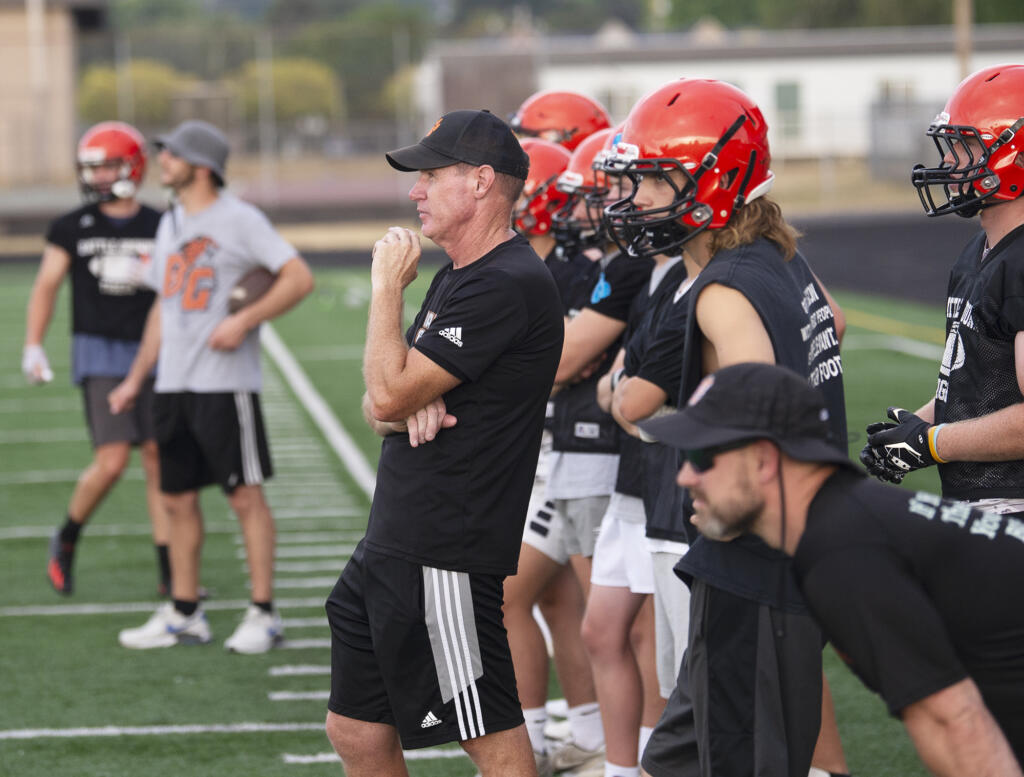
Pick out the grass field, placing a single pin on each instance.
(75, 703)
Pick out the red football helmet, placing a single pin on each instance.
(583, 180)
(111, 143)
(565, 118)
(979, 138)
(710, 132)
(541, 198)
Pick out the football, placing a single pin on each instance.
(250, 287)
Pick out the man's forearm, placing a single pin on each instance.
(149, 346)
(386, 352)
(998, 436)
(294, 283)
(956, 735)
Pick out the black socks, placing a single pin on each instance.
(69, 531)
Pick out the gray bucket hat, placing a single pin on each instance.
(199, 143)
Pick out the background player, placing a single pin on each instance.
(562, 117)
(103, 247)
(909, 587)
(973, 427)
(208, 419)
(698, 151)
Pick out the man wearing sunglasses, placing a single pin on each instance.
(909, 587)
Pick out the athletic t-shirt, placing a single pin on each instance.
(107, 268)
(984, 313)
(664, 281)
(800, 323)
(916, 592)
(656, 355)
(197, 261)
(609, 288)
(459, 502)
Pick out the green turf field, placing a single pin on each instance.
(75, 703)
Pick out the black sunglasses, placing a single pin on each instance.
(703, 459)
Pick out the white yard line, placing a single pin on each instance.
(299, 670)
(326, 565)
(282, 583)
(309, 551)
(299, 695)
(427, 754)
(23, 436)
(113, 608)
(304, 623)
(320, 411)
(305, 644)
(149, 731)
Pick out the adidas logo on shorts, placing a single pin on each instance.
(453, 333)
(430, 720)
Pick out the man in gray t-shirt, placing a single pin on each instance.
(209, 426)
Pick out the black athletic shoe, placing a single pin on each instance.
(58, 569)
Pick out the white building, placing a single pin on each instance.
(823, 92)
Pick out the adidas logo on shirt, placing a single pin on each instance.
(453, 333)
(430, 720)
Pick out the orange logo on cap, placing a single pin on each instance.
(436, 125)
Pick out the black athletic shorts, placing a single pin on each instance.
(421, 649)
(132, 426)
(210, 438)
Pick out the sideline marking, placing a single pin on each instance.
(320, 411)
(410, 755)
(145, 731)
(905, 345)
(893, 326)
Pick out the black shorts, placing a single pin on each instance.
(132, 426)
(210, 438)
(421, 649)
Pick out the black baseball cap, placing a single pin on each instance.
(474, 137)
(753, 401)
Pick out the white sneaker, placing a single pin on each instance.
(568, 755)
(166, 628)
(258, 632)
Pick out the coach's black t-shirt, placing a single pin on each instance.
(104, 300)
(984, 313)
(799, 321)
(459, 502)
(917, 592)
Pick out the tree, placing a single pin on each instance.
(302, 88)
(146, 99)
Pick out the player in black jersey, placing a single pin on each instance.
(102, 246)
(419, 654)
(746, 701)
(973, 427)
(911, 588)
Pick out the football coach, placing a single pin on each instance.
(917, 593)
(419, 654)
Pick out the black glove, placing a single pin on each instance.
(899, 447)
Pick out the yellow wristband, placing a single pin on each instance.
(933, 436)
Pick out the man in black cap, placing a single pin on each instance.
(909, 587)
(419, 654)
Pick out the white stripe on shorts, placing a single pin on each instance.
(456, 648)
(252, 472)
